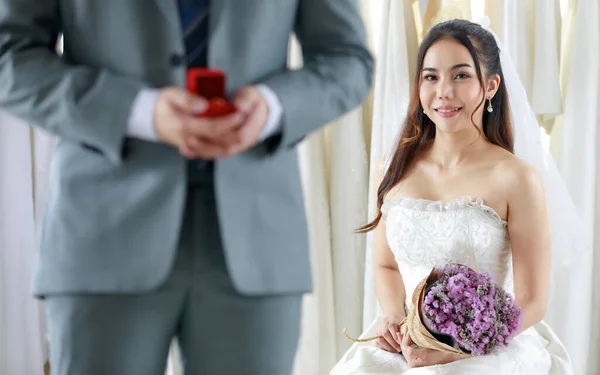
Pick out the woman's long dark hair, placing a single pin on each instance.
(419, 130)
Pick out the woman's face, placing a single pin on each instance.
(449, 89)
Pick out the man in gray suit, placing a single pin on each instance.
(161, 224)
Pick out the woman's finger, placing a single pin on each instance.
(406, 340)
(383, 344)
(389, 337)
(393, 330)
(399, 337)
(406, 352)
(404, 329)
(393, 327)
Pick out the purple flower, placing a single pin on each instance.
(471, 308)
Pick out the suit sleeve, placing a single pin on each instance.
(86, 105)
(337, 71)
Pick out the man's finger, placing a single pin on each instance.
(246, 99)
(226, 123)
(253, 119)
(212, 129)
(187, 102)
(202, 148)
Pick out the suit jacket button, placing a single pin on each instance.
(176, 59)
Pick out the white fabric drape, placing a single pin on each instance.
(24, 160)
(579, 161)
(334, 166)
(395, 68)
(515, 33)
(531, 32)
(546, 99)
(317, 347)
(336, 255)
(43, 147)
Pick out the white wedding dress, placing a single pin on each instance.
(423, 234)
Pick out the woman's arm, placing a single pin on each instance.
(389, 287)
(531, 248)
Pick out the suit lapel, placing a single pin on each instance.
(217, 8)
(170, 11)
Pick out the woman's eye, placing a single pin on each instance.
(429, 77)
(462, 76)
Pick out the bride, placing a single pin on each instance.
(455, 190)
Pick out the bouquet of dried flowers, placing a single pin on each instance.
(458, 310)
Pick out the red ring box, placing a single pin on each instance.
(210, 84)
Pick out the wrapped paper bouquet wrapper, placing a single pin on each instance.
(465, 313)
(416, 329)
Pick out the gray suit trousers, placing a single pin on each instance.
(219, 330)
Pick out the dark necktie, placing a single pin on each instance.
(194, 22)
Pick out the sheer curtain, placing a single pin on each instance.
(397, 46)
(24, 160)
(531, 31)
(334, 164)
(579, 162)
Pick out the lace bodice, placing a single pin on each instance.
(423, 233)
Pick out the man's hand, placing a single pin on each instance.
(253, 105)
(254, 109)
(177, 123)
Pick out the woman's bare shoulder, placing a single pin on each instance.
(514, 175)
(508, 163)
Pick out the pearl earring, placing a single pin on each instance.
(490, 108)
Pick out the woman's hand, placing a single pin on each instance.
(418, 357)
(389, 329)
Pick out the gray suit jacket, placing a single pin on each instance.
(115, 204)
